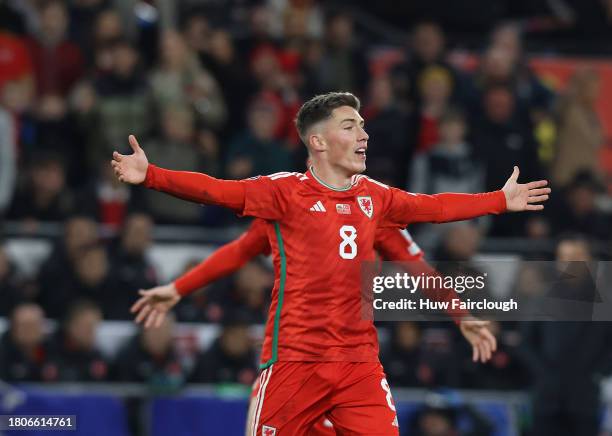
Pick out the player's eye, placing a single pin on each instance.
(348, 128)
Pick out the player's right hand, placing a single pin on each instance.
(153, 305)
(131, 168)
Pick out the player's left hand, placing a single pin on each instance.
(522, 196)
(480, 337)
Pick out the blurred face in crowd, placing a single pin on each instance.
(585, 86)
(508, 39)
(452, 131)
(221, 46)
(436, 424)
(92, 266)
(48, 178)
(407, 335)
(178, 124)
(581, 200)
(235, 341)
(381, 92)
(197, 33)
(27, 324)
(498, 65)
(158, 341)
(108, 26)
(295, 23)
(428, 42)
(462, 242)
(53, 23)
(79, 232)
(340, 31)
(340, 140)
(51, 107)
(499, 105)
(263, 120)
(174, 52)
(125, 59)
(573, 251)
(435, 85)
(137, 234)
(82, 328)
(17, 95)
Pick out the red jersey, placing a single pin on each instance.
(391, 244)
(319, 236)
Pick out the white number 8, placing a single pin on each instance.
(348, 235)
(385, 385)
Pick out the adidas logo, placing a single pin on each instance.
(318, 207)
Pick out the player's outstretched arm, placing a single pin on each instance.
(405, 208)
(153, 304)
(524, 196)
(190, 186)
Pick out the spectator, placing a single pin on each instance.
(176, 148)
(389, 149)
(131, 269)
(450, 166)
(435, 86)
(123, 103)
(256, 151)
(577, 211)
(79, 233)
(180, 80)
(409, 364)
(24, 354)
(8, 160)
(150, 358)
(566, 360)
(109, 200)
(44, 195)
(58, 63)
(75, 350)
(231, 358)
(11, 289)
(580, 135)
(501, 141)
(449, 420)
(84, 16)
(342, 64)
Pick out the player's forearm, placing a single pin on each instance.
(221, 263)
(196, 187)
(448, 207)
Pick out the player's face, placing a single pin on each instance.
(346, 140)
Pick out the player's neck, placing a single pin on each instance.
(331, 178)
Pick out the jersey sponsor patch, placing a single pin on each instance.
(366, 205)
(343, 209)
(266, 430)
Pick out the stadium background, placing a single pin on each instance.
(453, 93)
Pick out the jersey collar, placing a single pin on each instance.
(354, 180)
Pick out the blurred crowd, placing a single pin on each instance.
(218, 94)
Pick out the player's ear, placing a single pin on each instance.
(317, 143)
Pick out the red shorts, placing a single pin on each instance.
(295, 398)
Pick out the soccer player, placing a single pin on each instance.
(392, 244)
(319, 356)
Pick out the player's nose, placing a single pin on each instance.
(363, 135)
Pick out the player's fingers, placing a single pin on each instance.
(160, 319)
(488, 336)
(116, 156)
(487, 352)
(537, 198)
(534, 207)
(138, 304)
(515, 173)
(481, 352)
(143, 313)
(537, 184)
(475, 352)
(134, 144)
(149, 322)
(539, 191)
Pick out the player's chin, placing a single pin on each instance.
(359, 166)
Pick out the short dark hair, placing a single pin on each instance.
(320, 108)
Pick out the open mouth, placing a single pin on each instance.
(361, 151)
